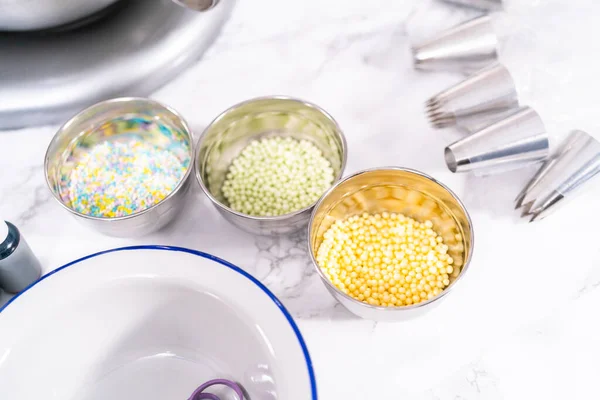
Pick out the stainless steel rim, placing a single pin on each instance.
(123, 100)
(331, 286)
(283, 216)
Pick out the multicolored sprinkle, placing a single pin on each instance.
(123, 174)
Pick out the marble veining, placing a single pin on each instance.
(521, 325)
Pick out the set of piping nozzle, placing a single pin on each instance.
(515, 109)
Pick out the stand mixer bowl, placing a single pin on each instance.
(30, 15)
(26, 15)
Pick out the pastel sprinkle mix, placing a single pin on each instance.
(122, 175)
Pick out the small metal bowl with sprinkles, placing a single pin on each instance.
(390, 243)
(265, 162)
(122, 166)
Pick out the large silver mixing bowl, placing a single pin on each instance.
(27, 15)
(24, 15)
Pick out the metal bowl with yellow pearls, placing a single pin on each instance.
(389, 243)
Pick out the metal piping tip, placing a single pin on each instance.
(564, 151)
(466, 48)
(514, 142)
(545, 209)
(486, 5)
(487, 95)
(519, 199)
(438, 119)
(477, 122)
(576, 161)
(524, 197)
(526, 209)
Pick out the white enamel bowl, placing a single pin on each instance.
(150, 323)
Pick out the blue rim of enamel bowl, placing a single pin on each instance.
(309, 366)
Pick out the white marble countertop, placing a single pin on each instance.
(522, 323)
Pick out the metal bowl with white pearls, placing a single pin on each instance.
(152, 323)
(272, 116)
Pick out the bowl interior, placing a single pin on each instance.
(148, 324)
(231, 132)
(149, 136)
(402, 191)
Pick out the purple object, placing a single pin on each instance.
(198, 395)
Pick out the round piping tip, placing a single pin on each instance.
(450, 159)
(513, 142)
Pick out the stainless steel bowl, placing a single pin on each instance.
(262, 117)
(27, 15)
(400, 190)
(84, 125)
(23, 15)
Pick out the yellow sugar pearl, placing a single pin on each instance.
(386, 259)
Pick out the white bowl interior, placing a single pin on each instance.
(149, 324)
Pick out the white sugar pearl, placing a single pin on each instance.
(275, 176)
